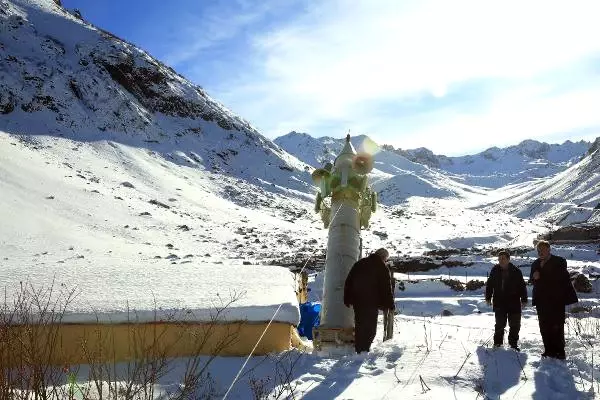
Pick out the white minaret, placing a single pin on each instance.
(351, 204)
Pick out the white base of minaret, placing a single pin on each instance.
(327, 350)
(343, 250)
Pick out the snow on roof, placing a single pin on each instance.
(115, 292)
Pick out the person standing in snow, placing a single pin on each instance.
(368, 289)
(552, 291)
(506, 287)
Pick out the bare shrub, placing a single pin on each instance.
(30, 344)
(587, 330)
(282, 383)
(197, 381)
(581, 309)
(454, 284)
(30, 336)
(29, 328)
(147, 352)
(474, 284)
(149, 347)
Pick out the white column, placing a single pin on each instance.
(343, 250)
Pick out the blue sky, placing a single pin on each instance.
(456, 77)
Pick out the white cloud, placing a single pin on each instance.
(342, 57)
(383, 48)
(201, 30)
(510, 120)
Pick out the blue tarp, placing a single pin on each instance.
(309, 318)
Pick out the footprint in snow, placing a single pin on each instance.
(393, 357)
(377, 372)
(370, 367)
(311, 378)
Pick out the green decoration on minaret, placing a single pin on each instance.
(346, 179)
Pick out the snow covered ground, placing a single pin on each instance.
(150, 228)
(140, 192)
(108, 213)
(430, 357)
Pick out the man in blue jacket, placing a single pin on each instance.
(509, 292)
(552, 291)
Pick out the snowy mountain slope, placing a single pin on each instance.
(79, 213)
(395, 177)
(492, 168)
(496, 167)
(564, 153)
(429, 183)
(143, 143)
(569, 197)
(419, 172)
(316, 152)
(528, 160)
(56, 179)
(62, 76)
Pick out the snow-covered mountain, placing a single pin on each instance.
(61, 76)
(525, 176)
(497, 167)
(317, 152)
(394, 176)
(571, 196)
(493, 168)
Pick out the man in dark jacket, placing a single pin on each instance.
(368, 289)
(509, 292)
(552, 291)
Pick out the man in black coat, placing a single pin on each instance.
(552, 291)
(368, 289)
(509, 292)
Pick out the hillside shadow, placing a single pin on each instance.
(414, 306)
(468, 242)
(342, 374)
(502, 369)
(554, 380)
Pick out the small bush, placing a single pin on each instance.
(454, 284)
(30, 337)
(581, 309)
(475, 284)
(582, 284)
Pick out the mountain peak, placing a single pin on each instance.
(493, 167)
(530, 143)
(61, 76)
(595, 146)
(92, 81)
(301, 134)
